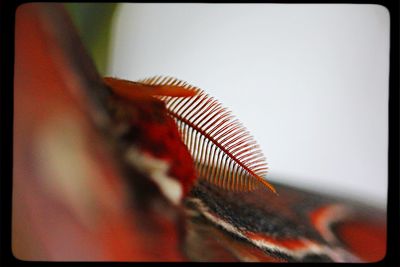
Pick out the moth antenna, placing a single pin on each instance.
(225, 153)
(137, 90)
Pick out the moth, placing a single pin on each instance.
(154, 170)
(297, 226)
(224, 152)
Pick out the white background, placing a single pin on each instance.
(310, 82)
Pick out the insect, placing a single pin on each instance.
(224, 152)
(132, 153)
(297, 226)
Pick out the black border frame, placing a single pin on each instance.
(7, 23)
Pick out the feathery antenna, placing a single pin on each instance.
(224, 152)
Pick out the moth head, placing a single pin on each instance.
(191, 133)
(155, 145)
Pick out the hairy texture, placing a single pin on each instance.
(224, 152)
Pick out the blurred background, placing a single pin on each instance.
(310, 82)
